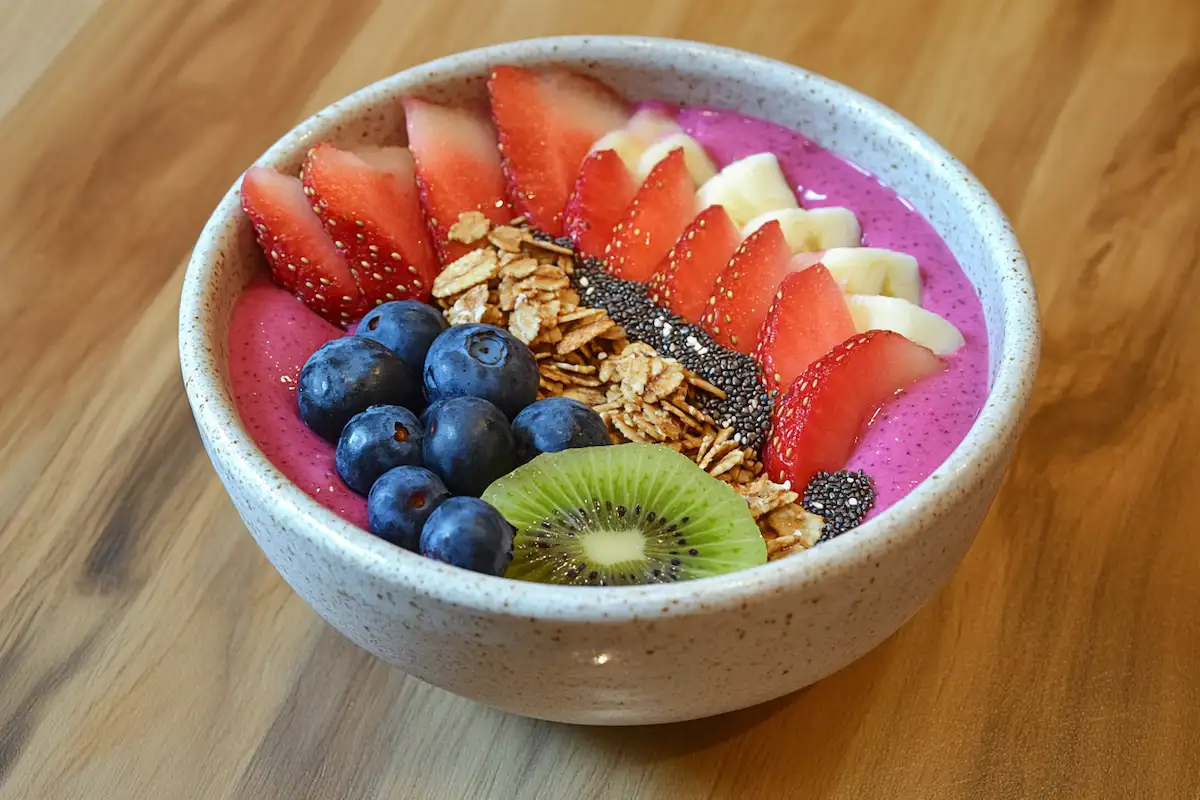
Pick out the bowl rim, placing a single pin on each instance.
(982, 449)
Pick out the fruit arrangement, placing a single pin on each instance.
(579, 352)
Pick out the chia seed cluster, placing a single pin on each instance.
(747, 406)
(842, 498)
(561, 241)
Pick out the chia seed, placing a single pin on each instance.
(842, 498)
(747, 407)
(561, 241)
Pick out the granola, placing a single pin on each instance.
(522, 283)
(525, 322)
(470, 227)
(471, 306)
(475, 268)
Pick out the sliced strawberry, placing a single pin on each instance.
(684, 280)
(458, 169)
(743, 291)
(807, 318)
(817, 424)
(302, 257)
(657, 216)
(603, 190)
(547, 123)
(368, 201)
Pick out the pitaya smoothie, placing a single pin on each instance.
(915, 432)
(271, 334)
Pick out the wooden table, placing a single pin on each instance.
(148, 650)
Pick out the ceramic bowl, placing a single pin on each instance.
(629, 655)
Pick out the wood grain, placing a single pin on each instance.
(147, 649)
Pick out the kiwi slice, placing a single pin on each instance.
(623, 515)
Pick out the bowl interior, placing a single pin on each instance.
(858, 128)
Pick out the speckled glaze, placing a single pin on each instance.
(632, 655)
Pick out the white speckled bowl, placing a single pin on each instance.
(660, 653)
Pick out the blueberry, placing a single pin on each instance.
(468, 443)
(482, 361)
(557, 423)
(468, 533)
(378, 439)
(400, 502)
(406, 327)
(347, 376)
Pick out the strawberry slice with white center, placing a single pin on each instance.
(684, 280)
(603, 190)
(657, 216)
(744, 289)
(817, 424)
(547, 123)
(807, 318)
(369, 203)
(302, 257)
(458, 169)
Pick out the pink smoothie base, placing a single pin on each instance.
(271, 334)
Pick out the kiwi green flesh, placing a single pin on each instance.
(624, 514)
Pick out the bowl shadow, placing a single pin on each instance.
(794, 744)
(654, 743)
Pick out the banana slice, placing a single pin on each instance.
(810, 230)
(903, 279)
(699, 165)
(649, 125)
(876, 312)
(747, 188)
(642, 130)
(626, 145)
(855, 277)
(874, 270)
